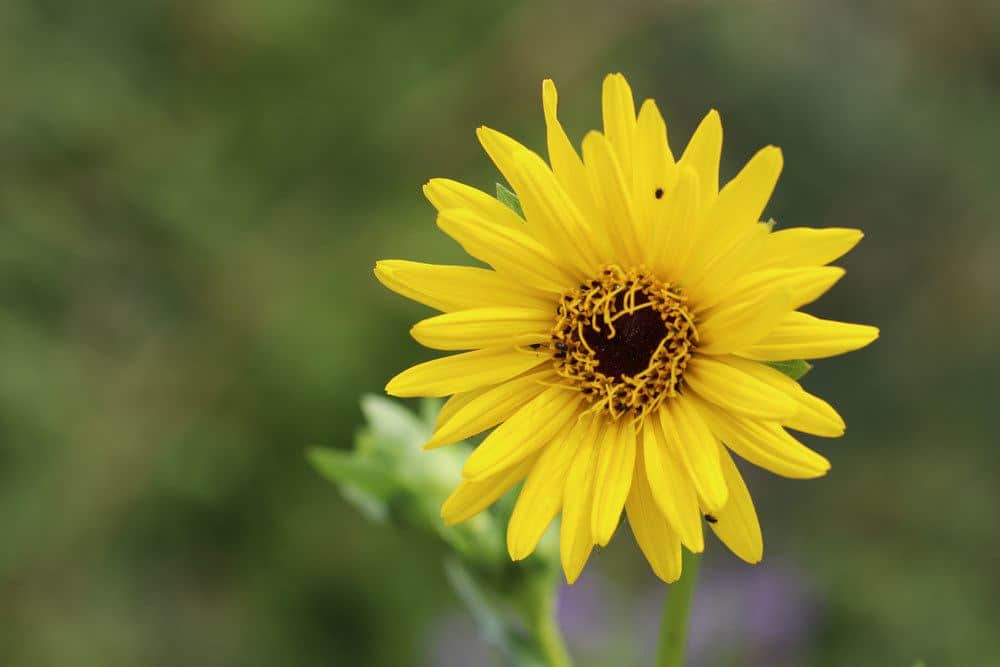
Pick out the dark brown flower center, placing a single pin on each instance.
(636, 336)
(624, 340)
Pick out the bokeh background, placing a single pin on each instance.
(192, 196)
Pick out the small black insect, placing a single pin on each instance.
(711, 519)
(535, 346)
(561, 347)
(659, 193)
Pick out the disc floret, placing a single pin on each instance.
(624, 339)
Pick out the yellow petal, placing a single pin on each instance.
(654, 171)
(446, 194)
(803, 284)
(553, 216)
(738, 325)
(736, 525)
(483, 327)
(618, 107)
(735, 215)
(615, 464)
(566, 164)
(676, 226)
(703, 153)
(491, 407)
(696, 448)
(712, 269)
(471, 497)
(814, 415)
(448, 288)
(531, 428)
(575, 535)
(802, 336)
(463, 372)
(509, 251)
(652, 532)
(740, 204)
(766, 445)
(457, 402)
(612, 193)
(732, 389)
(804, 246)
(670, 486)
(541, 497)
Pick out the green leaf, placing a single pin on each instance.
(340, 467)
(392, 423)
(920, 663)
(509, 199)
(793, 369)
(364, 482)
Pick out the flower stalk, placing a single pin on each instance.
(676, 611)
(545, 627)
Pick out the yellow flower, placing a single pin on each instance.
(618, 343)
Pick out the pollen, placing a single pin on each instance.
(624, 340)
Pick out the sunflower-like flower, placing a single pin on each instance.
(620, 343)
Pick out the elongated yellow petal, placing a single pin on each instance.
(670, 486)
(732, 389)
(566, 164)
(735, 215)
(448, 288)
(703, 153)
(575, 534)
(766, 444)
(463, 372)
(741, 203)
(803, 336)
(618, 107)
(553, 218)
(736, 525)
(696, 448)
(612, 192)
(814, 415)
(615, 464)
(541, 497)
(655, 173)
(711, 274)
(531, 427)
(803, 246)
(471, 497)
(803, 284)
(738, 325)
(446, 194)
(555, 215)
(483, 327)
(509, 251)
(675, 227)
(652, 531)
(457, 402)
(491, 407)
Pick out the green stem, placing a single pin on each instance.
(673, 625)
(547, 633)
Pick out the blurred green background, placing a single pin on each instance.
(192, 196)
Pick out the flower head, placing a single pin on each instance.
(620, 343)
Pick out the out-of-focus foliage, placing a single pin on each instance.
(192, 195)
(385, 476)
